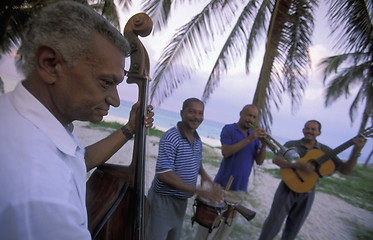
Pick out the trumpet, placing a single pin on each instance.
(290, 154)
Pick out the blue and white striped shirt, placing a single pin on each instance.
(177, 154)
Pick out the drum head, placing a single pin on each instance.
(231, 198)
(209, 203)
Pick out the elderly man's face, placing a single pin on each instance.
(86, 91)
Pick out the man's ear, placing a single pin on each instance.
(48, 62)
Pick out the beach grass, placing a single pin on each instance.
(355, 188)
(113, 126)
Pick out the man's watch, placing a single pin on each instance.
(126, 132)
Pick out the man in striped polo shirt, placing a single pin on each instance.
(178, 165)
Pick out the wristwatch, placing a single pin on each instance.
(126, 133)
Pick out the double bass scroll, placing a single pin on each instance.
(115, 193)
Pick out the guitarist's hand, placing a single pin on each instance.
(305, 167)
(302, 166)
(359, 143)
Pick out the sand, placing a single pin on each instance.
(330, 217)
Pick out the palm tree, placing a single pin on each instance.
(14, 15)
(354, 67)
(288, 25)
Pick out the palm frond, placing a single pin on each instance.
(258, 27)
(187, 48)
(107, 8)
(14, 16)
(158, 11)
(231, 50)
(297, 57)
(345, 79)
(126, 4)
(286, 56)
(354, 19)
(332, 64)
(356, 103)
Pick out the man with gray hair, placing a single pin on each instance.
(73, 60)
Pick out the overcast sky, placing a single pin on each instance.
(237, 89)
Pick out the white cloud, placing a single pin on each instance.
(317, 53)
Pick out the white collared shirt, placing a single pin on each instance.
(42, 173)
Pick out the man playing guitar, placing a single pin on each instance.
(295, 206)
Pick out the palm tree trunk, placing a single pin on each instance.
(274, 35)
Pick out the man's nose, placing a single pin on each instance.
(113, 98)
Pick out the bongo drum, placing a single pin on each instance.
(232, 200)
(207, 214)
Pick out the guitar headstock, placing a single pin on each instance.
(367, 133)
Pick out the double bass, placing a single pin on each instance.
(115, 194)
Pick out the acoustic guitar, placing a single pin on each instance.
(300, 181)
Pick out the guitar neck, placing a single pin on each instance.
(335, 151)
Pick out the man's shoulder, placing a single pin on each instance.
(171, 134)
(323, 147)
(229, 127)
(171, 131)
(293, 143)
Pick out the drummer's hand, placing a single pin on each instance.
(214, 194)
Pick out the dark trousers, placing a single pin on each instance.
(295, 207)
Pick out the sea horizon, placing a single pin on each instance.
(209, 130)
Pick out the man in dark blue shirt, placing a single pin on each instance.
(241, 146)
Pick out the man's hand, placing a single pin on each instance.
(305, 167)
(258, 133)
(214, 193)
(148, 118)
(359, 143)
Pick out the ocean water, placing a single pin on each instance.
(167, 119)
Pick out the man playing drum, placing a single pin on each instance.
(240, 148)
(178, 165)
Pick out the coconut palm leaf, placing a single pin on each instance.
(187, 48)
(107, 9)
(236, 43)
(285, 62)
(13, 18)
(14, 15)
(348, 71)
(353, 22)
(159, 12)
(354, 18)
(286, 59)
(286, 56)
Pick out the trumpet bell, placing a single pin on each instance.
(291, 155)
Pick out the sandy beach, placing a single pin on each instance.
(330, 217)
